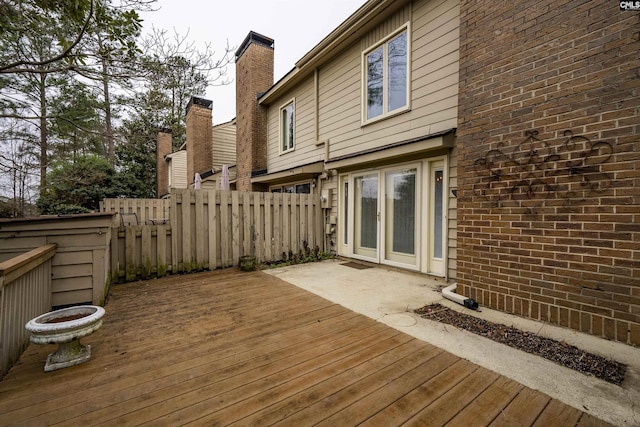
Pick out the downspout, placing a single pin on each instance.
(450, 293)
(316, 105)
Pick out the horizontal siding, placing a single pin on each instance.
(434, 85)
(224, 145)
(179, 170)
(71, 297)
(306, 151)
(340, 96)
(395, 21)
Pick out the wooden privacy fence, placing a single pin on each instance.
(147, 211)
(211, 229)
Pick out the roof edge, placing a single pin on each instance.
(366, 13)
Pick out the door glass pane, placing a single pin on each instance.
(375, 71)
(398, 72)
(366, 212)
(438, 213)
(287, 127)
(401, 211)
(345, 221)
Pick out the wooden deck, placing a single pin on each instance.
(237, 348)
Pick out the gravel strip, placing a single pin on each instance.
(558, 352)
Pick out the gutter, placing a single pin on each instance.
(450, 293)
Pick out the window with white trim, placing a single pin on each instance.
(287, 127)
(386, 77)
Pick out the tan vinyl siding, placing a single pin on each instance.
(394, 22)
(434, 83)
(305, 149)
(224, 145)
(340, 96)
(178, 170)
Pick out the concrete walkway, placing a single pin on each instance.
(390, 296)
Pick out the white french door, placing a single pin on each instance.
(366, 216)
(400, 213)
(385, 212)
(396, 215)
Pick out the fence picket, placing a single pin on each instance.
(175, 232)
(161, 253)
(257, 236)
(187, 250)
(286, 225)
(295, 223)
(277, 224)
(146, 251)
(225, 233)
(236, 239)
(246, 225)
(213, 229)
(268, 226)
(200, 231)
(130, 253)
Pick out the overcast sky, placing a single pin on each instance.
(295, 25)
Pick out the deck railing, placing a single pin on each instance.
(25, 292)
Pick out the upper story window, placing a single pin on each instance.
(287, 127)
(386, 77)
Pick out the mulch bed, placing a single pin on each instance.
(559, 352)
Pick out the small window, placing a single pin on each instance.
(298, 188)
(386, 77)
(287, 127)
(303, 188)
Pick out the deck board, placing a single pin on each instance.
(524, 409)
(226, 347)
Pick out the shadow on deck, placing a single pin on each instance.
(226, 347)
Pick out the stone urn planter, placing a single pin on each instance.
(65, 327)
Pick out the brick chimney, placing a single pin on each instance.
(199, 137)
(254, 76)
(163, 147)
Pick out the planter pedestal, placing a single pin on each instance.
(68, 354)
(65, 327)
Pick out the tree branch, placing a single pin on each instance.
(11, 68)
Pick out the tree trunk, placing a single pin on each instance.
(107, 113)
(44, 133)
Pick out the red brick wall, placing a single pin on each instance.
(254, 75)
(199, 129)
(162, 169)
(549, 162)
